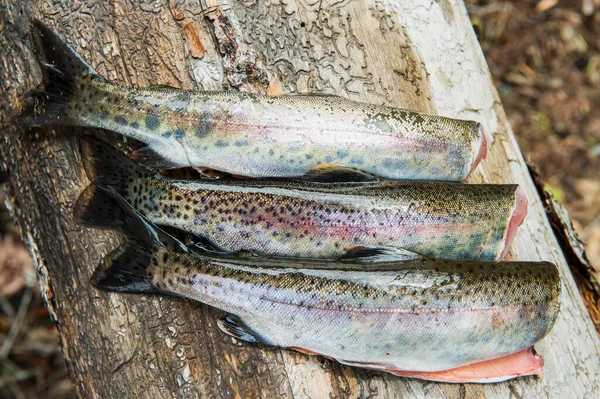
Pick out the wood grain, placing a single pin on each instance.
(421, 55)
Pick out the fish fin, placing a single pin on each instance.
(318, 95)
(126, 268)
(107, 165)
(101, 205)
(208, 173)
(163, 87)
(305, 351)
(136, 225)
(203, 244)
(234, 326)
(365, 365)
(214, 174)
(151, 159)
(95, 207)
(62, 67)
(242, 177)
(378, 254)
(330, 173)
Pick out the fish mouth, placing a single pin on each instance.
(517, 218)
(482, 149)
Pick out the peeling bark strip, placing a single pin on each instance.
(421, 55)
(572, 247)
(242, 67)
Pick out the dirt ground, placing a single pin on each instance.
(545, 60)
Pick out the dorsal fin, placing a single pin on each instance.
(330, 173)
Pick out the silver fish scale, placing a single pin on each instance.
(390, 314)
(320, 221)
(258, 136)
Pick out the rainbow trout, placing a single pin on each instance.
(419, 317)
(251, 134)
(313, 220)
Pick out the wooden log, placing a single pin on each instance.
(416, 54)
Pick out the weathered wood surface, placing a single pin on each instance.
(421, 55)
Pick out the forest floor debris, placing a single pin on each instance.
(545, 59)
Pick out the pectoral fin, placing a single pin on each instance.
(234, 326)
(378, 254)
(329, 173)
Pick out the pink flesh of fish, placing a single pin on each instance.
(516, 219)
(503, 368)
(520, 211)
(482, 150)
(500, 369)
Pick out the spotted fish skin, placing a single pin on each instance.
(420, 315)
(257, 135)
(304, 219)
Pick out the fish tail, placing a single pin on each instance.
(106, 166)
(126, 269)
(62, 69)
(95, 208)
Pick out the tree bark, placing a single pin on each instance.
(421, 55)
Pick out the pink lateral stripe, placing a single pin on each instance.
(503, 368)
(516, 219)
